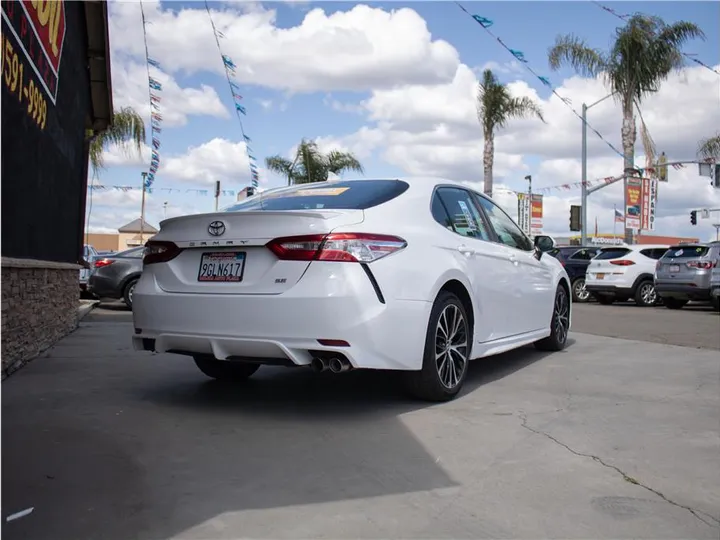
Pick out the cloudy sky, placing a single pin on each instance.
(394, 82)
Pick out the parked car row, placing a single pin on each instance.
(112, 275)
(648, 274)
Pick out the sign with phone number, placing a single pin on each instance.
(20, 82)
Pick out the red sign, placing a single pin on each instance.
(39, 28)
(48, 20)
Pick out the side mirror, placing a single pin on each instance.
(544, 243)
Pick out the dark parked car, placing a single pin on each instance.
(576, 259)
(115, 276)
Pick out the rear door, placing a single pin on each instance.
(226, 253)
(576, 264)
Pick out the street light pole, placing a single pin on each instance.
(584, 180)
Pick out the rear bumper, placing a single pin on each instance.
(103, 287)
(610, 290)
(682, 291)
(331, 301)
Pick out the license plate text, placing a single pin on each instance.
(222, 266)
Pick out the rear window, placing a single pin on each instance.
(612, 253)
(134, 253)
(685, 252)
(353, 195)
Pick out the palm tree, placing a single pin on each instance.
(644, 53)
(127, 128)
(495, 106)
(311, 165)
(710, 148)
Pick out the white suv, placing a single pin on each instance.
(619, 273)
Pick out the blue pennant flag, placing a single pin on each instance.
(248, 139)
(252, 157)
(254, 183)
(155, 84)
(545, 81)
(519, 55)
(228, 62)
(234, 86)
(240, 108)
(154, 63)
(485, 23)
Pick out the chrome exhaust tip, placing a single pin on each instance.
(338, 365)
(318, 365)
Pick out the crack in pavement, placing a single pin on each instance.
(626, 477)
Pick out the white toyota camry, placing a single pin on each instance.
(419, 275)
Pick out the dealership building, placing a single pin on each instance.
(56, 92)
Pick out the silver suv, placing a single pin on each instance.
(715, 284)
(683, 273)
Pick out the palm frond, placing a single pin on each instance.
(647, 140)
(710, 148)
(338, 162)
(523, 107)
(127, 129)
(573, 51)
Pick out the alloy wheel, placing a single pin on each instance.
(561, 315)
(648, 294)
(130, 293)
(581, 292)
(451, 346)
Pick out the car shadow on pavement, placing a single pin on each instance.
(147, 449)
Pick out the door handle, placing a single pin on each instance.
(466, 250)
(513, 260)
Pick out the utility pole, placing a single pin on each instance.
(217, 194)
(529, 204)
(583, 159)
(165, 210)
(142, 209)
(717, 231)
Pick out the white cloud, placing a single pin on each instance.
(130, 88)
(218, 159)
(117, 155)
(358, 49)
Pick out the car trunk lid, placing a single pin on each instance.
(225, 253)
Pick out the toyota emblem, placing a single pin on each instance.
(216, 228)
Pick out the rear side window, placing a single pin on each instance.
(583, 255)
(134, 253)
(686, 252)
(353, 195)
(653, 253)
(464, 215)
(611, 253)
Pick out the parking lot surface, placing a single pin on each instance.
(611, 438)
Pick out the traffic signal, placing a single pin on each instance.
(575, 222)
(693, 217)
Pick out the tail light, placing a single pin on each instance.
(157, 251)
(702, 265)
(622, 262)
(103, 262)
(340, 247)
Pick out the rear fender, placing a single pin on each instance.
(127, 279)
(642, 277)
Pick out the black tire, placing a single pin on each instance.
(645, 294)
(128, 292)
(579, 292)
(224, 370)
(604, 299)
(559, 323)
(438, 379)
(715, 303)
(674, 303)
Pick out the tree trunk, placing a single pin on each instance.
(629, 135)
(488, 157)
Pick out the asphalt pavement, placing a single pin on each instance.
(611, 438)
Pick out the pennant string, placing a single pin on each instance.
(625, 17)
(230, 68)
(518, 55)
(155, 116)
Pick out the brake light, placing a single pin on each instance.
(103, 262)
(702, 265)
(158, 251)
(622, 262)
(339, 247)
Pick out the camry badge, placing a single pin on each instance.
(216, 228)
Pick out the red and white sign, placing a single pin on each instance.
(536, 214)
(39, 27)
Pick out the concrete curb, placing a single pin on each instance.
(86, 306)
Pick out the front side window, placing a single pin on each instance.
(507, 231)
(583, 254)
(464, 216)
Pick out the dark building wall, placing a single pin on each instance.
(44, 167)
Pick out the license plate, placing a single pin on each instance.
(600, 276)
(222, 266)
(674, 268)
